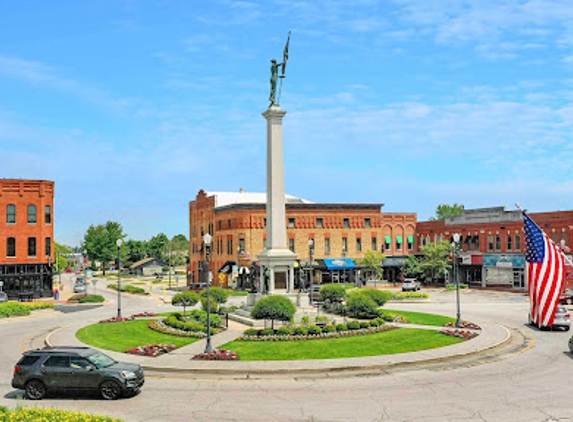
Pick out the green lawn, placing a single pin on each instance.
(385, 343)
(423, 319)
(120, 336)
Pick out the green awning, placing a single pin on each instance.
(410, 238)
(388, 239)
(399, 240)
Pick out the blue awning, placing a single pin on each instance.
(339, 263)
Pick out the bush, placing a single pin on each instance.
(305, 320)
(219, 294)
(129, 289)
(35, 414)
(374, 323)
(251, 332)
(329, 328)
(213, 304)
(361, 305)
(353, 325)
(92, 299)
(300, 331)
(185, 299)
(314, 329)
(332, 292)
(9, 309)
(284, 331)
(34, 306)
(341, 327)
(274, 308)
(364, 324)
(452, 286)
(380, 297)
(411, 295)
(321, 318)
(267, 332)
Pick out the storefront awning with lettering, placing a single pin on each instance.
(339, 263)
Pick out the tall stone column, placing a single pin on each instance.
(276, 256)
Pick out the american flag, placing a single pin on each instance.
(545, 272)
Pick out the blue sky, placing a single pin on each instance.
(131, 107)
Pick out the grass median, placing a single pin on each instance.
(422, 318)
(401, 340)
(120, 336)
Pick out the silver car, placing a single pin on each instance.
(410, 284)
(3, 297)
(79, 288)
(562, 319)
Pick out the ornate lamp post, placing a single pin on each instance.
(118, 243)
(310, 252)
(207, 240)
(455, 248)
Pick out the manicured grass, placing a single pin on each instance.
(422, 318)
(401, 340)
(120, 336)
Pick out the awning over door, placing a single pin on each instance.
(339, 263)
(227, 267)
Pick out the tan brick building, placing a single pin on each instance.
(26, 237)
(339, 232)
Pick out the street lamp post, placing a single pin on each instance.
(207, 240)
(169, 265)
(85, 264)
(118, 243)
(310, 252)
(455, 246)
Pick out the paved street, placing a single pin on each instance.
(528, 385)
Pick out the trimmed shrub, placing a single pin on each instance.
(274, 307)
(213, 304)
(332, 292)
(8, 309)
(300, 331)
(452, 286)
(380, 297)
(314, 329)
(219, 294)
(251, 332)
(341, 327)
(374, 323)
(411, 295)
(92, 299)
(329, 328)
(321, 318)
(353, 325)
(185, 299)
(305, 320)
(267, 332)
(284, 331)
(34, 306)
(361, 305)
(364, 324)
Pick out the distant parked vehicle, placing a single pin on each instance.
(562, 320)
(410, 285)
(566, 298)
(3, 297)
(79, 288)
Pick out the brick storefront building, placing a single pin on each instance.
(26, 237)
(341, 233)
(491, 250)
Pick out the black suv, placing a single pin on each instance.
(75, 369)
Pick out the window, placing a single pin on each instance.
(210, 229)
(410, 242)
(497, 242)
(11, 246)
(291, 244)
(11, 214)
(387, 241)
(58, 362)
(509, 245)
(320, 223)
(517, 241)
(344, 245)
(202, 232)
(194, 231)
(555, 236)
(230, 250)
(358, 244)
(48, 214)
(229, 224)
(399, 243)
(346, 223)
(32, 214)
(265, 222)
(327, 245)
(291, 223)
(374, 243)
(367, 223)
(31, 246)
(220, 224)
(48, 247)
(241, 244)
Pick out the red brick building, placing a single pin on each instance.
(340, 234)
(26, 237)
(491, 248)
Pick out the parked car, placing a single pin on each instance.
(79, 288)
(48, 370)
(562, 320)
(3, 297)
(410, 284)
(566, 298)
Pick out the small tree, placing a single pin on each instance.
(380, 297)
(436, 259)
(332, 292)
(219, 294)
(274, 307)
(186, 298)
(412, 266)
(361, 305)
(372, 262)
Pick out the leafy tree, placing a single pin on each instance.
(372, 262)
(136, 250)
(179, 250)
(444, 210)
(185, 298)
(100, 242)
(274, 307)
(219, 294)
(435, 261)
(60, 253)
(157, 246)
(412, 266)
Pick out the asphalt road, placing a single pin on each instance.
(528, 385)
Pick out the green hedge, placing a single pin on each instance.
(9, 309)
(410, 295)
(25, 414)
(129, 289)
(452, 286)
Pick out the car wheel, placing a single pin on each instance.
(110, 390)
(35, 390)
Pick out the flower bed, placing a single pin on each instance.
(217, 354)
(161, 327)
(464, 324)
(129, 318)
(318, 336)
(465, 334)
(152, 349)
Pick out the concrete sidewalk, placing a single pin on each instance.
(180, 361)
